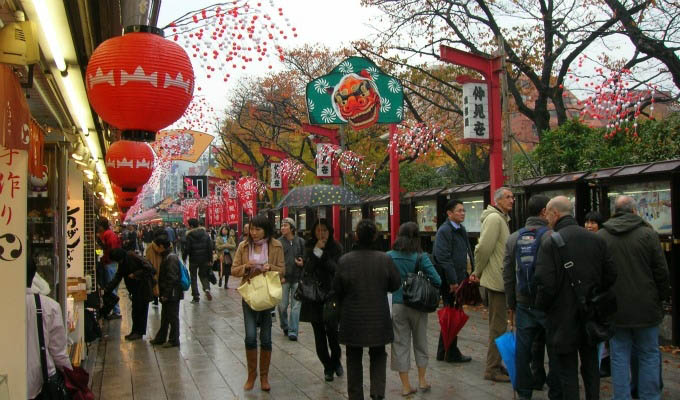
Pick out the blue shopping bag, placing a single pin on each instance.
(506, 347)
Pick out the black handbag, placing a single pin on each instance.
(418, 292)
(309, 290)
(596, 307)
(53, 387)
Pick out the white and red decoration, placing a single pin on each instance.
(129, 164)
(248, 188)
(139, 82)
(291, 170)
(415, 139)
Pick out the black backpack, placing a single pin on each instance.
(526, 249)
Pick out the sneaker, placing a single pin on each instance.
(338, 370)
(208, 295)
(328, 376)
(292, 338)
(195, 300)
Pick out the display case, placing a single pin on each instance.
(426, 215)
(474, 206)
(302, 221)
(653, 202)
(381, 217)
(355, 217)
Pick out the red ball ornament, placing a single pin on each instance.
(129, 164)
(139, 83)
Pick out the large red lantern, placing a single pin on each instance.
(119, 193)
(127, 202)
(140, 83)
(129, 164)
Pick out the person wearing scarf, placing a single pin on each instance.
(259, 253)
(154, 254)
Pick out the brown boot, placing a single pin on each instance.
(265, 358)
(251, 357)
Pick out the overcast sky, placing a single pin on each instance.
(328, 22)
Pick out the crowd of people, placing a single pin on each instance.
(589, 296)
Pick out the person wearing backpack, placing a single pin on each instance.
(519, 265)
(171, 293)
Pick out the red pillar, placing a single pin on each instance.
(491, 69)
(394, 185)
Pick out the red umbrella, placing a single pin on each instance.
(468, 293)
(451, 321)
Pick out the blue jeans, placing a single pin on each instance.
(530, 322)
(288, 296)
(251, 320)
(644, 342)
(109, 272)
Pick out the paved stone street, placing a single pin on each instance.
(210, 364)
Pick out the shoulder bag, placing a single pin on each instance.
(595, 307)
(418, 292)
(263, 291)
(53, 387)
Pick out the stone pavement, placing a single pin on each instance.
(210, 364)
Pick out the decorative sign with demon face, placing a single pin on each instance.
(357, 93)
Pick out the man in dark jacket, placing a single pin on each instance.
(520, 298)
(641, 286)
(593, 267)
(452, 252)
(170, 293)
(293, 249)
(199, 250)
(139, 281)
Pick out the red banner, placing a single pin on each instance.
(35, 151)
(231, 211)
(14, 114)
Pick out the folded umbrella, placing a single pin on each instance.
(468, 293)
(451, 321)
(506, 347)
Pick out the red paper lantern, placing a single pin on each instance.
(129, 164)
(126, 203)
(118, 192)
(139, 83)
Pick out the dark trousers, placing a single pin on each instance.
(538, 359)
(202, 271)
(568, 372)
(140, 311)
(355, 371)
(169, 318)
(531, 323)
(325, 337)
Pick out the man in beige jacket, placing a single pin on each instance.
(488, 271)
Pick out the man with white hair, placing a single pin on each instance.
(488, 272)
(592, 269)
(641, 286)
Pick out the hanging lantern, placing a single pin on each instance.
(129, 164)
(139, 82)
(119, 193)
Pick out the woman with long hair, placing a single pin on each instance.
(259, 253)
(225, 246)
(408, 322)
(322, 253)
(362, 280)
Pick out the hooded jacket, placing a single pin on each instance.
(643, 280)
(198, 248)
(490, 249)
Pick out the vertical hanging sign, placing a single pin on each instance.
(275, 171)
(13, 195)
(475, 111)
(324, 161)
(75, 223)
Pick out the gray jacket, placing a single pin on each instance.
(512, 295)
(292, 250)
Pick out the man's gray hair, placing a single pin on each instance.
(498, 194)
(624, 204)
(562, 205)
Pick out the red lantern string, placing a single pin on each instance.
(222, 39)
(291, 170)
(416, 139)
(349, 162)
(199, 116)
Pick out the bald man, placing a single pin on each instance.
(643, 283)
(593, 266)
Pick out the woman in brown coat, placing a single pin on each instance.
(259, 253)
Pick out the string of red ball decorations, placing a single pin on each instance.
(199, 116)
(291, 170)
(232, 36)
(613, 101)
(415, 139)
(349, 162)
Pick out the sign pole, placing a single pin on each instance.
(394, 185)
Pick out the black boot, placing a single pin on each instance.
(220, 283)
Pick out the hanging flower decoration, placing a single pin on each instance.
(292, 170)
(199, 116)
(613, 101)
(416, 139)
(225, 37)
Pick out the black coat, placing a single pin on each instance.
(362, 280)
(198, 248)
(323, 269)
(140, 286)
(450, 254)
(593, 266)
(169, 278)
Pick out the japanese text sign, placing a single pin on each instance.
(275, 171)
(475, 111)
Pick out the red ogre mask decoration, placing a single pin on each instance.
(356, 100)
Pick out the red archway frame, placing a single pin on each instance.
(491, 69)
